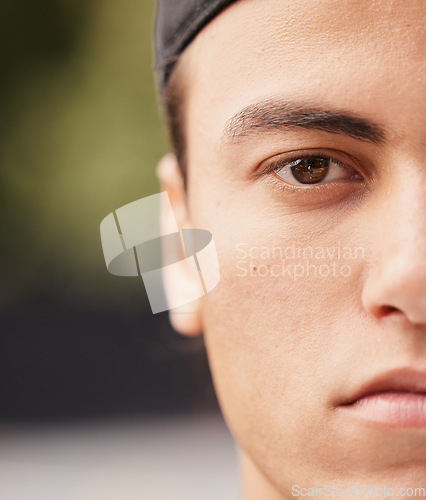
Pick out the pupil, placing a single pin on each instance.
(310, 170)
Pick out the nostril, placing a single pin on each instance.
(387, 310)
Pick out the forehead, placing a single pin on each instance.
(351, 54)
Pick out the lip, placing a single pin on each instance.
(395, 399)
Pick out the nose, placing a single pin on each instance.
(396, 280)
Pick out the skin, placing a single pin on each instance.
(285, 352)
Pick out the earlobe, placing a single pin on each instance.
(186, 319)
(180, 280)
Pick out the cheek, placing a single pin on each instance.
(270, 330)
(269, 322)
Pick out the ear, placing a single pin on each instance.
(185, 319)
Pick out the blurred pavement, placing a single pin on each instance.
(180, 458)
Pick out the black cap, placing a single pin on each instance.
(177, 23)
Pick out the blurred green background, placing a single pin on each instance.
(80, 136)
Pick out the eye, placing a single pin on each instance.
(312, 169)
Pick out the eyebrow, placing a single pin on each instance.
(272, 115)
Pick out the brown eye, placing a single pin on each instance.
(311, 170)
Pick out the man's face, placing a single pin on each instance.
(292, 334)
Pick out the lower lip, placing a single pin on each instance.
(395, 409)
